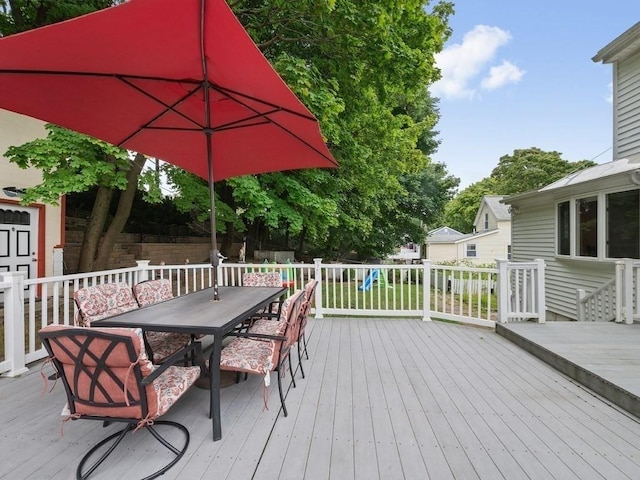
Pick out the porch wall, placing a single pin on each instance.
(534, 237)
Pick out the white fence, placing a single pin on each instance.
(476, 296)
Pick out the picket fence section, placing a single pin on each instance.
(478, 296)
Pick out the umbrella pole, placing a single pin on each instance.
(215, 258)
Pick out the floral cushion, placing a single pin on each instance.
(260, 356)
(164, 344)
(171, 384)
(262, 279)
(268, 327)
(249, 355)
(161, 393)
(102, 301)
(152, 291)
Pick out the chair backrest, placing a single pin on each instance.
(152, 291)
(102, 301)
(290, 313)
(305, 309)
(102, 370)
(262, 279)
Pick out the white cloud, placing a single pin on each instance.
(502, 75)
(462, 63)
(609, 97)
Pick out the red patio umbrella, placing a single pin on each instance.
(178, 80)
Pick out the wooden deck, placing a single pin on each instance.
(383, 399)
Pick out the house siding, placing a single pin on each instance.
(627, 108)
(16, 130)
(534, 237)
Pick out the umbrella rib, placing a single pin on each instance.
(97, 74)
(168, 108)
(268, 119)
(229, 94)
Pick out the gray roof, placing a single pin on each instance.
(620, 48)
(500, 210)
(592, 174)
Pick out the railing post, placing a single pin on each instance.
(540, 291)
(14, 323)
(627, 297)
(426, 290)
(221, 279)
(318, 276)
(580, 308)
(143, 272)
(503, 291)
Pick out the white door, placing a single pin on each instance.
(18, 239)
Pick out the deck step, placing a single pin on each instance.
(579, 372)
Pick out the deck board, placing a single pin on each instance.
(382, 398)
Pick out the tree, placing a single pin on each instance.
(71, 162)
(531, 169)
(362, 68)
(461, 211)
(524, 170)
(20, 15)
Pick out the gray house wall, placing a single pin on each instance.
(534, 236)
(627, 107)
(623, 53)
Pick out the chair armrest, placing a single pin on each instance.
(258, 336)
(174, 358)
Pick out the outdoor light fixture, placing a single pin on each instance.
(13, 191)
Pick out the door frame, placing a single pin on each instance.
(40, 241)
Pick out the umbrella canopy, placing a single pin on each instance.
(178, 80)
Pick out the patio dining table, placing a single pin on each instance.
(199, 314)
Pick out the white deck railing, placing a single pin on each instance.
(616, 299)
(521, 291)
(426, 291)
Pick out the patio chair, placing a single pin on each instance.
(162, 344)
(259, 353)
(262, 279)
(305, 311)
(102, 301)
(109, 299)
(108, 377)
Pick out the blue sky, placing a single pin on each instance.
(519, 74)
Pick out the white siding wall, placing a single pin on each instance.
(627, 109)
(442, 252)
(493, 246)
(15, 130)
(534, 237)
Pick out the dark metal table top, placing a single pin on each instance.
(198, 312)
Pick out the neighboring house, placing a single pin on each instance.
(490, 241)
(406, 253)
(30, 234)
(581, 224)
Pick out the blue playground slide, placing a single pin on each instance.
(369, 279)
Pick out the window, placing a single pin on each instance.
(587, 226)
(564, 237)
(623, 224)
(486, 221)
(508, 252)
(605, 225)
(471, 250)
